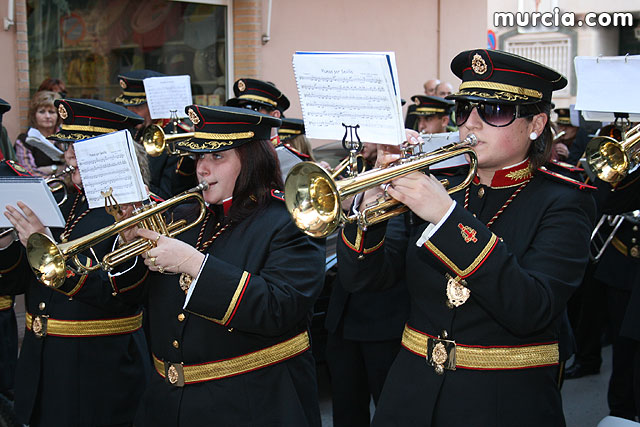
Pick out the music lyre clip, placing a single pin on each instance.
(353, 145)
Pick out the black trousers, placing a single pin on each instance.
(587, 315)
(622, 396)
(358, 370)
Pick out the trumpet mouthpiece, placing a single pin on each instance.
(471, 140)
(204, 185)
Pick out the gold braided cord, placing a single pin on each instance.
(463, 273)
(230, 136)
(6, 302)
(429, 110)
(241, 364)
(236, 296)
(477, 84)
(290, 131)
(88, 128)
(90, 328)
(563, 121)
(127, 93)
(517, 357)
(138, 100)
(204, 145)
(258, 98)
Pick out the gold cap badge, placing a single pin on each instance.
(193, 116)
(478, 65)
(241, 86)
(62, 112)
(123, 84)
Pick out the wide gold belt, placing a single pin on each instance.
(6, 302)
(447, 354)
(178, 374)
(42, 325)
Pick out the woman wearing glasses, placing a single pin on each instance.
(489, 269)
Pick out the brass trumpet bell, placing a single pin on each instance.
(612, 155)
(49, 259)
(313, 197)
(155, 141)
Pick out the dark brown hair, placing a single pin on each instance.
(259, 174)
(540, 149)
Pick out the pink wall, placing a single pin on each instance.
(9, 73)
(407, 27)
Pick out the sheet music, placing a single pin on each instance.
(109, 161)
(354, 88)
(607, 85)
(165, 94)
(434, 141)
(35, 193)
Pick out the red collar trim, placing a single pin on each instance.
(226, 205)
(511, 176)
(275, 140)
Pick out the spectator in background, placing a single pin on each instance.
(430, 87)
(54, 85)
(33, 150)
(444, 89)
(7, 152)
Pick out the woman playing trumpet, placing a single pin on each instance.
(489, 270)
(84, 359)
(229, 301)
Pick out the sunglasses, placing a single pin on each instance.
(496, 115)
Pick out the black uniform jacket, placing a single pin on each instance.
(256, 289)
(75, 381)
(8, 324)
(520, 272)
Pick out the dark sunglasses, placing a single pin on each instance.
(497, 115)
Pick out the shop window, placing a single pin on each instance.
(552, 52)
(88, 43)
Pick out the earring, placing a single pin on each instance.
(533, 136)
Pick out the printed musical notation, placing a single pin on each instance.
(166, 94)
(109, 161)
(351, 88)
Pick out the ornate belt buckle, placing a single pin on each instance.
(441, 354)
(39, 325)
(174, 373)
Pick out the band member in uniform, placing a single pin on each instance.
(432, 113)
(489, 269)
(230, 300)
(169, 175)
(84, 360)
(265, 98)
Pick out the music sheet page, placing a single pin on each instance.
(35, 193)
(109, 161)
(354, 88)
(165, 94)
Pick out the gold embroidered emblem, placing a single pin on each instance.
(478, 64)
(193, 116)
(62, 112)
(172, 374)
(241, 86)
(123, 84)
(520, 174)
(18, 167)
(468, 233)
(185, 282)
(457, 292)
(417, 101)
(439, 357)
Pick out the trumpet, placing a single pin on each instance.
(48, 260)
(612, 156)
(155, 141)
(313, 197)
(345, 163)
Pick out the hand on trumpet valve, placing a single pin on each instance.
(25, 222)
(170, 255)
(423, 194)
